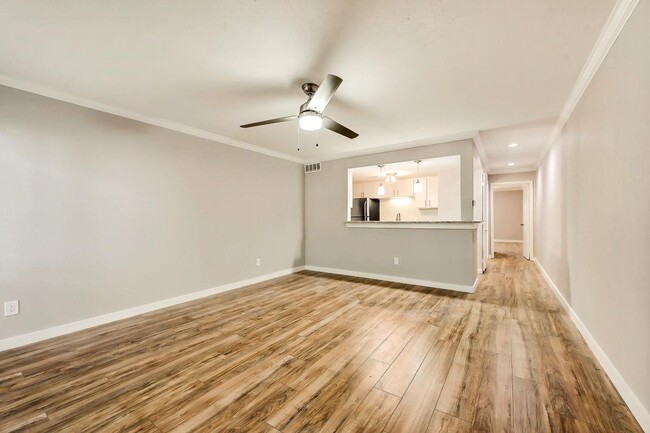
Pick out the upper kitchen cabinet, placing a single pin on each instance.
(370, 189)
(358, 190)
(367, 190)
(428, 197)
(400, 188)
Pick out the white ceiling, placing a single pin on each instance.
(412, 70)
(407, 169)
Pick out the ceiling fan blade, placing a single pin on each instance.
(270, 121)
(333, 125)
(325, 91)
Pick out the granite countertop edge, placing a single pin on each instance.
(413, 222)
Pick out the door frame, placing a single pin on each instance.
(527, 187)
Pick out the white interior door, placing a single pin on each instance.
(484, 192)
(525, 220)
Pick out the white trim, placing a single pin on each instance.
(38, 89)
(395, 279)
(512, 241)
(612, 28)
(44, 334)
(469, 135)
(524, 169)
(430, 225)
(630, 398)
(478, 142)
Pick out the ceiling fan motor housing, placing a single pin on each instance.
(309, 89)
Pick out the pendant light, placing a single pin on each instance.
(418, 185)
(380, 189)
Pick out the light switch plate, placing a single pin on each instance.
(396, 260)
(12, 308)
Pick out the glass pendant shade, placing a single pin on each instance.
(381, 190)
(418, 186)
(310, 121)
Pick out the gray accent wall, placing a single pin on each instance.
(100, 213)
(446, 256)
(593, 206)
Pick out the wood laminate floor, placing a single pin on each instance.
(314, 352)
(509, 248)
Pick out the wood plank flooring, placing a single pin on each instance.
(313, 352)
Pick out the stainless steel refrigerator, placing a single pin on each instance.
(365, 209)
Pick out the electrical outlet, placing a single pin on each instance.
(12, 308)
(258, 262)
(396, 260)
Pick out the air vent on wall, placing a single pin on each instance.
(313, 167)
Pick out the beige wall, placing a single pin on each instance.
(508, 215)
(100, 213)
(513, 177)
(435, 255)
(593, 206)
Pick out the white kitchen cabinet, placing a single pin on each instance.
(432, 191)
(358, 190)
(428, 197)
(366, 190)
(403, 188)
(400, 188)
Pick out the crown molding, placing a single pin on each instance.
(468, 135)
(608, 35)
(29, 86)
(478, 142)
(524, 169)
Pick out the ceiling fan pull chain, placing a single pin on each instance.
(298, 139)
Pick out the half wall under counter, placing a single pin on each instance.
(437, 254)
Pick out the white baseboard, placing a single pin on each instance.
(395, 279)
(641, 413)
(512, 241)
(44, 334)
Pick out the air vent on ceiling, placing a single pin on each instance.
(313, 167)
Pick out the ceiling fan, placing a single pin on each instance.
(310, 116)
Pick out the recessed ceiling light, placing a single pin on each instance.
(510, 164)
(513, 145)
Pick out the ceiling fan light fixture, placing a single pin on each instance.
(310, 121)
